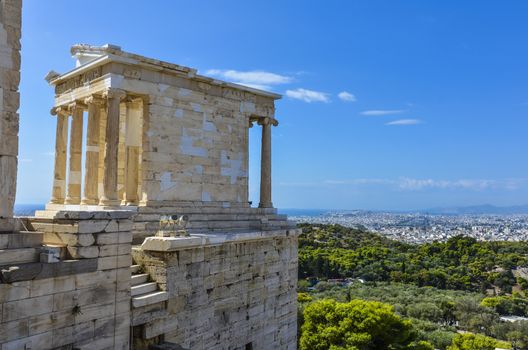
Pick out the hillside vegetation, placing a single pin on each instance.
(438, 290)
(461, 263)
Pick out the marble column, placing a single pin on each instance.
(91, 165)
(133, 130)
(61, 140)
(265, 166)
(75, 163)
(109, 197)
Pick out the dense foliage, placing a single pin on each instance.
(472, 342)
(356, 325)
(462, 263)
(440, 289)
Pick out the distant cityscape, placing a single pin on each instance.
(422, 228)
(408, 227)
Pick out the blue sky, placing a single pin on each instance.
(387, 104)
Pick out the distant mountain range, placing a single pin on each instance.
(478, 209)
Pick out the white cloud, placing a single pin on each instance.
(49, 154)
(256, 79)
(346, 96)
(308, 95)
(25, 160)
(405, 122)
(468, 184)
(412, 184)
(380, 112)
(357, 182)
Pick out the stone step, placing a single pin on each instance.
(146, 313)
(139, 279)
(149, 298)
(143, 288)
(135, 269)
(23, 239)
(214, 217)
(19, 256)
(204, 210)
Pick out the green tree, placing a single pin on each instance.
(470, 341)
(358, 324)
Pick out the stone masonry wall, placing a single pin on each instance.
(234, 295)
(10, 31)
(195, 141)
(81, 302)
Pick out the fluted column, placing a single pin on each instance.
(265, 166)
(75, 163)
(133, 131)
(61, 140)
(113, 97)
(91, 164)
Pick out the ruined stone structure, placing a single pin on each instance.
(10, 24)
(149, 240)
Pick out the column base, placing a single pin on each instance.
(86, 201)
(266, 205)
(110, 202)
(74, 201)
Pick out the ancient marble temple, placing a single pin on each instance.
(148, 240)
(159, 138)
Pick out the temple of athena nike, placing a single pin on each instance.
(149, 240)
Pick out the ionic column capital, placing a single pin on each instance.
(114, 93)
(60, 111)
(75, 106)
(94, 99)
(264, 121)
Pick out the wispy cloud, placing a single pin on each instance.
(468, 184)
(413, 184)
(25, 160)
(346, 96)
(308, 95)
(257, 79)
(49, 154)
(405, 122)
(381, 112)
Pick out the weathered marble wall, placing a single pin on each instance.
(227, 295)
(81, 302)
(195, 141)
(10, 32)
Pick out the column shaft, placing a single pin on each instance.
(265, 167)
(75, 164)
(59, 174)
(91, 164)
(133, 131)
(111, 148)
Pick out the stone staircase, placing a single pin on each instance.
(143, 292)
(148, 300)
